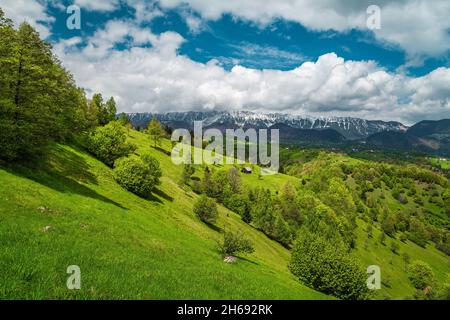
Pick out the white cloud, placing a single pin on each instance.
(158, 79)
(98, 5)
(194, 24)
(269, 57)
(117, 32)
(31, 11)
(418, 26)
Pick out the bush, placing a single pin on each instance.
(418, 233)
(327, 267)
(138, 175)
(234, 243)
(188, 171)
(395, 247)
(108, 143)
(444, 294)
(206, 209)
(388, 225)
(420, 274)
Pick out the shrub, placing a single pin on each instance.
(382, 238)
(444, 294)
(138, 175)
(188, 171)
(420, 274)
(395, 247)
(388, 225)
(418, 233)
(403, 237)
(327, 267)
(406, 259)
(108, 143)
(206, 209)
(237, 203)
(234, 243)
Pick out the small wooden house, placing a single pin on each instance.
(247, 170)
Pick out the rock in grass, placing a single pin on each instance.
(230, 259)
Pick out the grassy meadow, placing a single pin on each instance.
(68, 210)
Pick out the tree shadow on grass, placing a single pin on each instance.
(162, 194)
(214, 227)
(167, 153)
(153, 198)
(248, 260)
(61, 171)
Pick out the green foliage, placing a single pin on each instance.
(104, 112)
(288, 205)
(420, 274)
(395, 247)
(123, 119)
(156, 132)
(234, 243)
(262, 211)
(406, 259)
(206, 209)
(327, 267)
(124, 236)
(110, 110)
(444, 293)
(388, 225)
(108, 143)
(238, 203)
(418, 232)
(188, 171)
(39, 101)
(138, 175)
(234, 180)
(382, 238)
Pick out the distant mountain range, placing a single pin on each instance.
(426, 136)
(349, 128)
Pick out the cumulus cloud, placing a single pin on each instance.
(31, 11)
(158, 79)
(420, 27)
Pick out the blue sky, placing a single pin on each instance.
(281, 44)
(304, 57)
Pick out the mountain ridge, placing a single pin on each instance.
(351, 128)
(432, 137)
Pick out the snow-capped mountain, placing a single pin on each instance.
(350, 128)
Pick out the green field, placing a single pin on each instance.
(68, 210)
(394, 276)
(126, 247)
(441, 163)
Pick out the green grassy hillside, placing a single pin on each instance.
(394, 276)
(420, 199)
(68, 210)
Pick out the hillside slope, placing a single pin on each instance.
(68, 210)
(310, 165)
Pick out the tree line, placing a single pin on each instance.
(39, 99)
